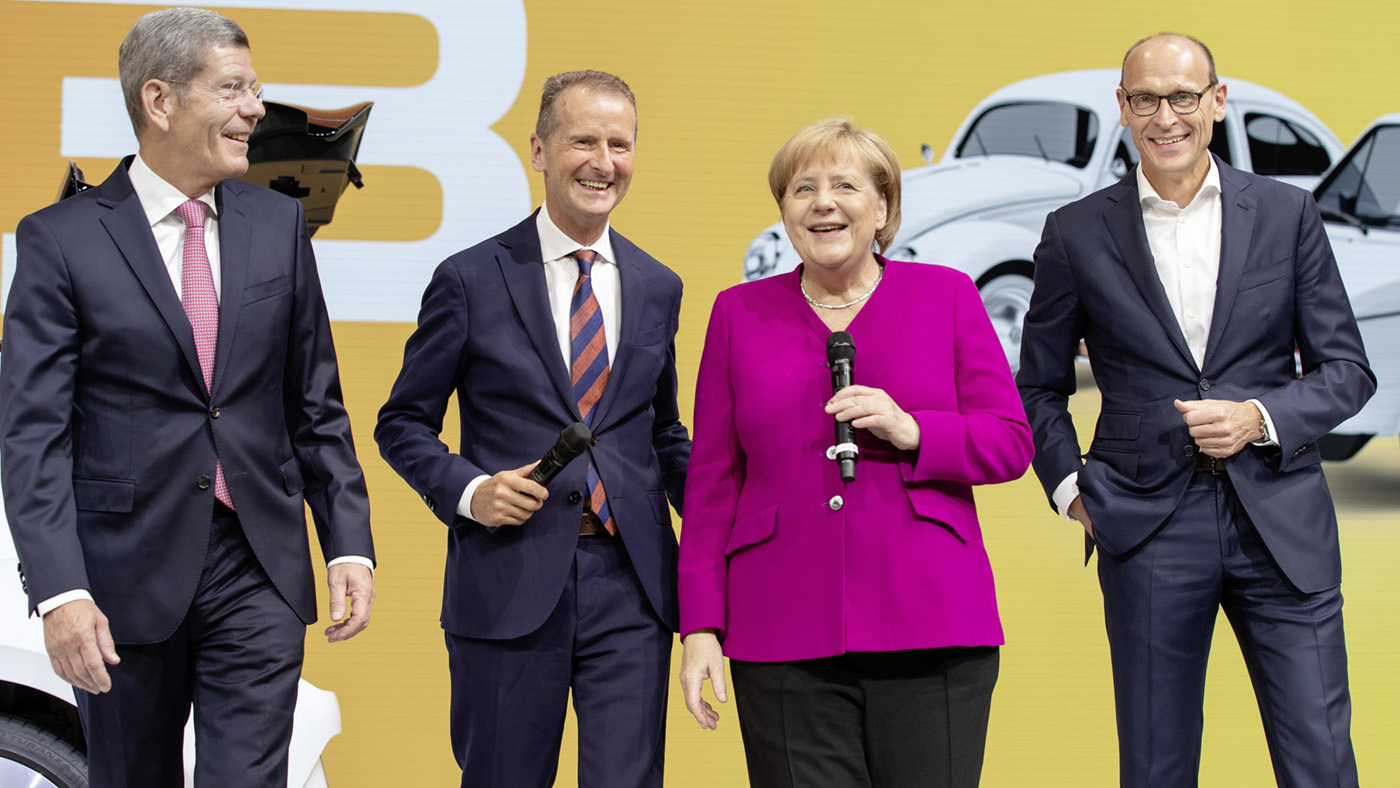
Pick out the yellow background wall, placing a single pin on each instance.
(720, 86)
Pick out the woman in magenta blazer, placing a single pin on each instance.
(860, 618)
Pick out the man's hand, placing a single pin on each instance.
(1078, 512)
(355, 581)
(872, 409)
(508, 498)
(79, 642)
(702, 658)
(1221, 427)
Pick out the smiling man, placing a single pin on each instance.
(556, 320)
(168, 402)
(1192, 283)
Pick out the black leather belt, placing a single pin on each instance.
(591, 525)
(1208, 464)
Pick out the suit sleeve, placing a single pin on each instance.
(1049, 343)
(410, 423)
(1337, 379)
(669, 437)
(717, 469)
(317, 421)
(37, 379)
(986, 440)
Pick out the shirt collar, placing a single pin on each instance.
(554, 244)
(1149, 198)
(158, 197)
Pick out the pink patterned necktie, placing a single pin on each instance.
(202, 307)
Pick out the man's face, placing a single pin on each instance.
(207, 138)
(1174, 147)
(587, 160)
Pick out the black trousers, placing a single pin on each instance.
(236, 658)
(867, 720)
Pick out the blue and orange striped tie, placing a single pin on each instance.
(590, 368)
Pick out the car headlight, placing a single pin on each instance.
(762, 258)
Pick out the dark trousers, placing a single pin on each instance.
(867, 720)
(509, 697)
(1160, 604)
(236, 659)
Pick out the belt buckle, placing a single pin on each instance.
(591, 525)
(1206, 463)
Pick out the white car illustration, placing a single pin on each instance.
(1037, 144)
(1360, 203)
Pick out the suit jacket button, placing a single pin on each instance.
(836, 503)
(214, 412)
(1205, 384)
(1189, 450)
(575, 497)
(202, 482)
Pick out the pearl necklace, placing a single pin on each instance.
(868, 293)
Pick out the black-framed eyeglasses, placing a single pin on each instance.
(227, 94)
(1183, 102)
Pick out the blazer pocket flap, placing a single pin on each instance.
(104, 495)
(647, 337)
(1117, 425)
(752, 529)
(267, 289)
(291, 476)
(1265, 275)
(945, 506)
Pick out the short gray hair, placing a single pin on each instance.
(173, 45)
(555, 86)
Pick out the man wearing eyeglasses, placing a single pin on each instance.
(1191, 284)
(169, 401)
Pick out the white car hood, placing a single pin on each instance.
(950, 190)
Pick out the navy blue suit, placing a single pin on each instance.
(110, 439)
(485, 333)
(1278, 287)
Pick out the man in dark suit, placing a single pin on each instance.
(556, 320)
(1191, 283)
(170, 398)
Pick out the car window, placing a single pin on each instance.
(1278, 147)
(1364, 187)
(1043, 129)
(1220, 141)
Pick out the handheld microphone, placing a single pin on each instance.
(571, 443)
(841, 356)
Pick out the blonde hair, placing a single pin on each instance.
(830, 138)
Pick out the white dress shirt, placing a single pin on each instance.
(1185, 246)
(160, 200)
(560, 276)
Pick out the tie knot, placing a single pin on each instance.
(585, 258)
(192, 211)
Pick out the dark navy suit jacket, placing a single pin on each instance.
(1278, 287)
(109, 438)
(485, 333)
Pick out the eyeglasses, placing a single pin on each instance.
(227, 94)
(1182, 102)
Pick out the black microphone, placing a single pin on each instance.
(841, 356)
(571, 443)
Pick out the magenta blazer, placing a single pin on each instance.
(776, 552)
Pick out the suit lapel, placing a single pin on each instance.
(1124, 219)
(523, 271)
(1237, 214)
(632, 290)
(131, 232)
(235, 232)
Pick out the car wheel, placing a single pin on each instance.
(1336, 447)
(1007, 297)
(32, 756)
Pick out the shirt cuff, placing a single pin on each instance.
(1269, 422)
(54, 602)
(464, 506)
(352, 559)
(1065, 494)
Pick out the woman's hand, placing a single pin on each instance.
(872, 409)
(702, 658)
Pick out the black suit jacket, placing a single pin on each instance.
(485, 333)
(1278, 287)
(109, 438)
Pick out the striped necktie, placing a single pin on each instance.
(202, 307)
(590, 368)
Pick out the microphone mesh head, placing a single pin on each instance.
(840, 347)
(576, 437)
